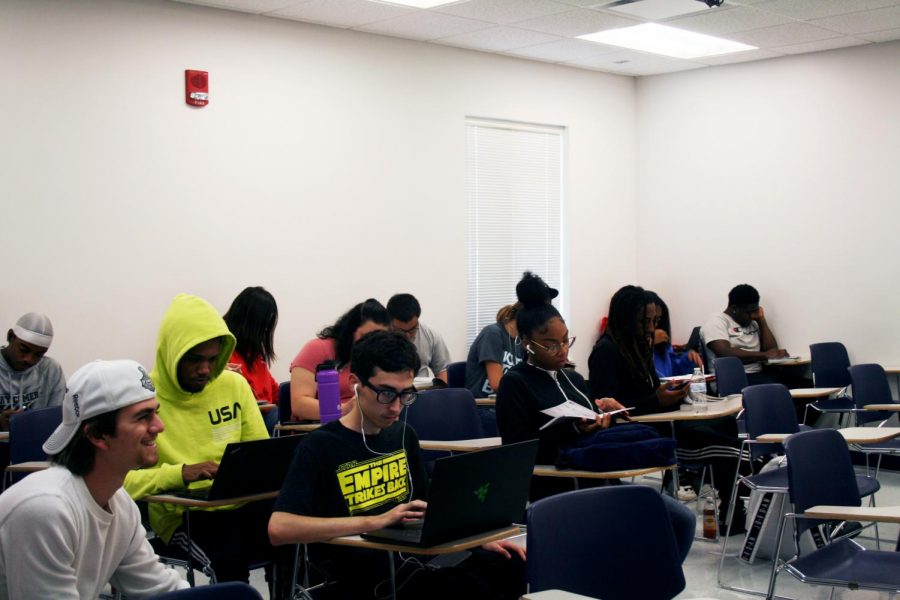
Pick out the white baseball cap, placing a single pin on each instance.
(99, 387)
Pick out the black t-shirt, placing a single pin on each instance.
(334, 474)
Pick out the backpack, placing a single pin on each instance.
(619, 448)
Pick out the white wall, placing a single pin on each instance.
(783, 174)
(328, 167)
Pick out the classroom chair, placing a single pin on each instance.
(444, 414)
(820, 473)
(829, 363)
(614, 543)
(28, 431)
(870, 386)
(730, 376)
(456, 374)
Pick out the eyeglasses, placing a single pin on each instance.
(554, 348)
(387, 396)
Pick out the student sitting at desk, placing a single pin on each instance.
(742, 331)
(67, 531)
(340, 484)
(252, 318)
(621, 366)
(542, 382)
(205, 407)
(333, 344)
(405, 312)
(669, 359)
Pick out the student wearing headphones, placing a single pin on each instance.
(364, 472)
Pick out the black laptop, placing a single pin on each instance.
(470, 494)
(247, 468)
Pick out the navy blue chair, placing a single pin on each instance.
(456, 374)
(730, 375)
(829, 363)
(614, 543)
(233, 590)
(820, 472)
(444, 414)
(870, 386)
(28, 431)
(284, 402)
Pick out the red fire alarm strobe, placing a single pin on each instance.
(196, 87)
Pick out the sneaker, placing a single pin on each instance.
(686, 493)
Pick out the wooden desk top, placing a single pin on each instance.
(894, 370)
(814, 392)
(486, 401)
(448, 548)
(195, 503)
(555, 595)
(298, 427)
(4, 436)
(882, 514)
(894, 406)
(552, 471)
(461, 445)
(266, 408)
(853, 435)
(29, 467)
(722, 408)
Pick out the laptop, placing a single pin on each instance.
(470, 493)
(246, 468)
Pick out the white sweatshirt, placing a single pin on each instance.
(56, 542)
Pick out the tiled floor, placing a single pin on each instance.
(700, 566)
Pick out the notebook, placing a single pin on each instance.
(246, 468)
(470, 493)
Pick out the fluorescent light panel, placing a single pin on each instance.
(665, 40)
(419, 3)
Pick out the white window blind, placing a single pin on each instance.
(514, 192)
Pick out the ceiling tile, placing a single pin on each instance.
(424, 25)
(563, 50)
(248, 6)
(841, 42)
(341, 13)
(497, 39)
(881, 36)
(576, 22)
(738, 57)
(863, 22)
(722, 22)
(805, 10)
(503, 11)
(782, 35)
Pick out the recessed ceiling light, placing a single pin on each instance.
(665, 40)
(419, 3)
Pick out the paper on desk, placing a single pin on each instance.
(567, 410)
(780, 361)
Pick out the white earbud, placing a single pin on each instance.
(356, 390)
(528, 349)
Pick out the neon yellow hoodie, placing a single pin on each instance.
(198, 426)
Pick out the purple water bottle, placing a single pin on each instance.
(329, 392)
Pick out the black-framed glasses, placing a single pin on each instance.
(554, 348)
(387, 396)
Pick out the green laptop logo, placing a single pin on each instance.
(481, 492)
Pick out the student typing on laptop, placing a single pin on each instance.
(205, 408)
(364, 472)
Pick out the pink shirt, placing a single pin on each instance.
(317, 351)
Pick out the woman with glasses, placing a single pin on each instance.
(333, 344)
(541, 382)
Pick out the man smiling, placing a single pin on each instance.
(67, 531)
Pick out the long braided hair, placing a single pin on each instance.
(627, 311)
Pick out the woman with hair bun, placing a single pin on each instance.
(542, 382)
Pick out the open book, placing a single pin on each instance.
(568, 411)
